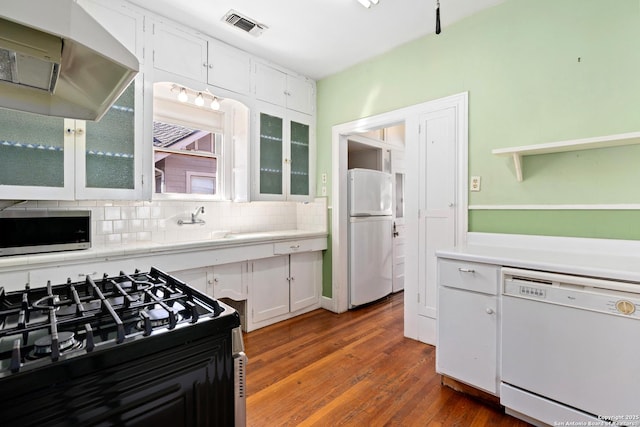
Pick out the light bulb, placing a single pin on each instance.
(215, 104)
(182, 96)
(374, 1)
(365, 3)
(199, 100)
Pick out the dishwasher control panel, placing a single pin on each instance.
(586, 293)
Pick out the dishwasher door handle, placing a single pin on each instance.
(466, 270)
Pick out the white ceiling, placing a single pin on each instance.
(318, 38)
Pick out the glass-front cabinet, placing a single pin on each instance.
(284, 150)
(51, 158)
(108, 159)
(35, 157)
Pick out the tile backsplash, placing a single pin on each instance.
(129, 222)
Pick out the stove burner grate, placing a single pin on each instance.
(43, 346)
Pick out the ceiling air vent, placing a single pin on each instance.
(245, 24)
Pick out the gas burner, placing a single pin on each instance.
(47, 302)
(42, 346)
(158, 317)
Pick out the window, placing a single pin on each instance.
(200, 149)
(186, 160)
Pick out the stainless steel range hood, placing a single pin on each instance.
(57, 60)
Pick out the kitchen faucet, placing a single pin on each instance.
(194, 217)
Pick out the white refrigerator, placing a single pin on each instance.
(370, 235)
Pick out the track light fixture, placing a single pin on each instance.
(182, 96)
(199, 97)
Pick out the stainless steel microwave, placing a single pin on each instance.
(38, 231)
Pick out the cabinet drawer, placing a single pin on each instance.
(60, 274)
(471, 276)
(307, 245)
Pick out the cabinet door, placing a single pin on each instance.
(269, 291)
(179, 52)
(197, 278)
(229, 68)
(467, 338)
(284, 155)
(108, 152)
(270, 175)
(271, 85)
(305, 271)
(36, 157)
(300, 94)
(229, 281)
(300, 156)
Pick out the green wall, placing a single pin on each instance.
(536, 71)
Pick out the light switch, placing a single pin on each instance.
(475, 183)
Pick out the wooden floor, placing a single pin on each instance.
(353, 369)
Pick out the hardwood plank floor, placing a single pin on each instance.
(353, 369)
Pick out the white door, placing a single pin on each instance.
(305, 271)
(398, 172)
(229, 281)
(437, 195)
(269, 291)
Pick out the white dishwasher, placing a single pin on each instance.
(570, 349)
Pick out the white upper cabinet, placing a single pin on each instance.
(283, 154)
(201, 59)
(286, 90)
(179, 52)
(50, 158)
(109, 152)
(229, 68)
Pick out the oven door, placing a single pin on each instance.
(577, 358)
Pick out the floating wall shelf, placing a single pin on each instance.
(517, 153)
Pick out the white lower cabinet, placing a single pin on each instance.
(218, 281)
(305, 270)
(283, 286)
(467, 325)
(269, 288)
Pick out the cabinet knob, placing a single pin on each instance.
(210, 65)
(489, 310)
(294, 247)
(204, 64)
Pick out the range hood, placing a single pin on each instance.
(57, 60)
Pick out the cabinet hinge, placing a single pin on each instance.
(419, 128)
(418, 298)
(142, 179)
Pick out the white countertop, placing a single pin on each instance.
(146, 248)
(602, 261)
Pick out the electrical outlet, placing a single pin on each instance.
(324, 178)
(324, 190)
(475, 183)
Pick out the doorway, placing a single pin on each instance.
(418, 323)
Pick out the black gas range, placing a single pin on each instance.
(124, 350)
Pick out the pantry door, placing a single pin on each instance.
(436, 206)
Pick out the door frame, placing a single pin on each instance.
(410, 116)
